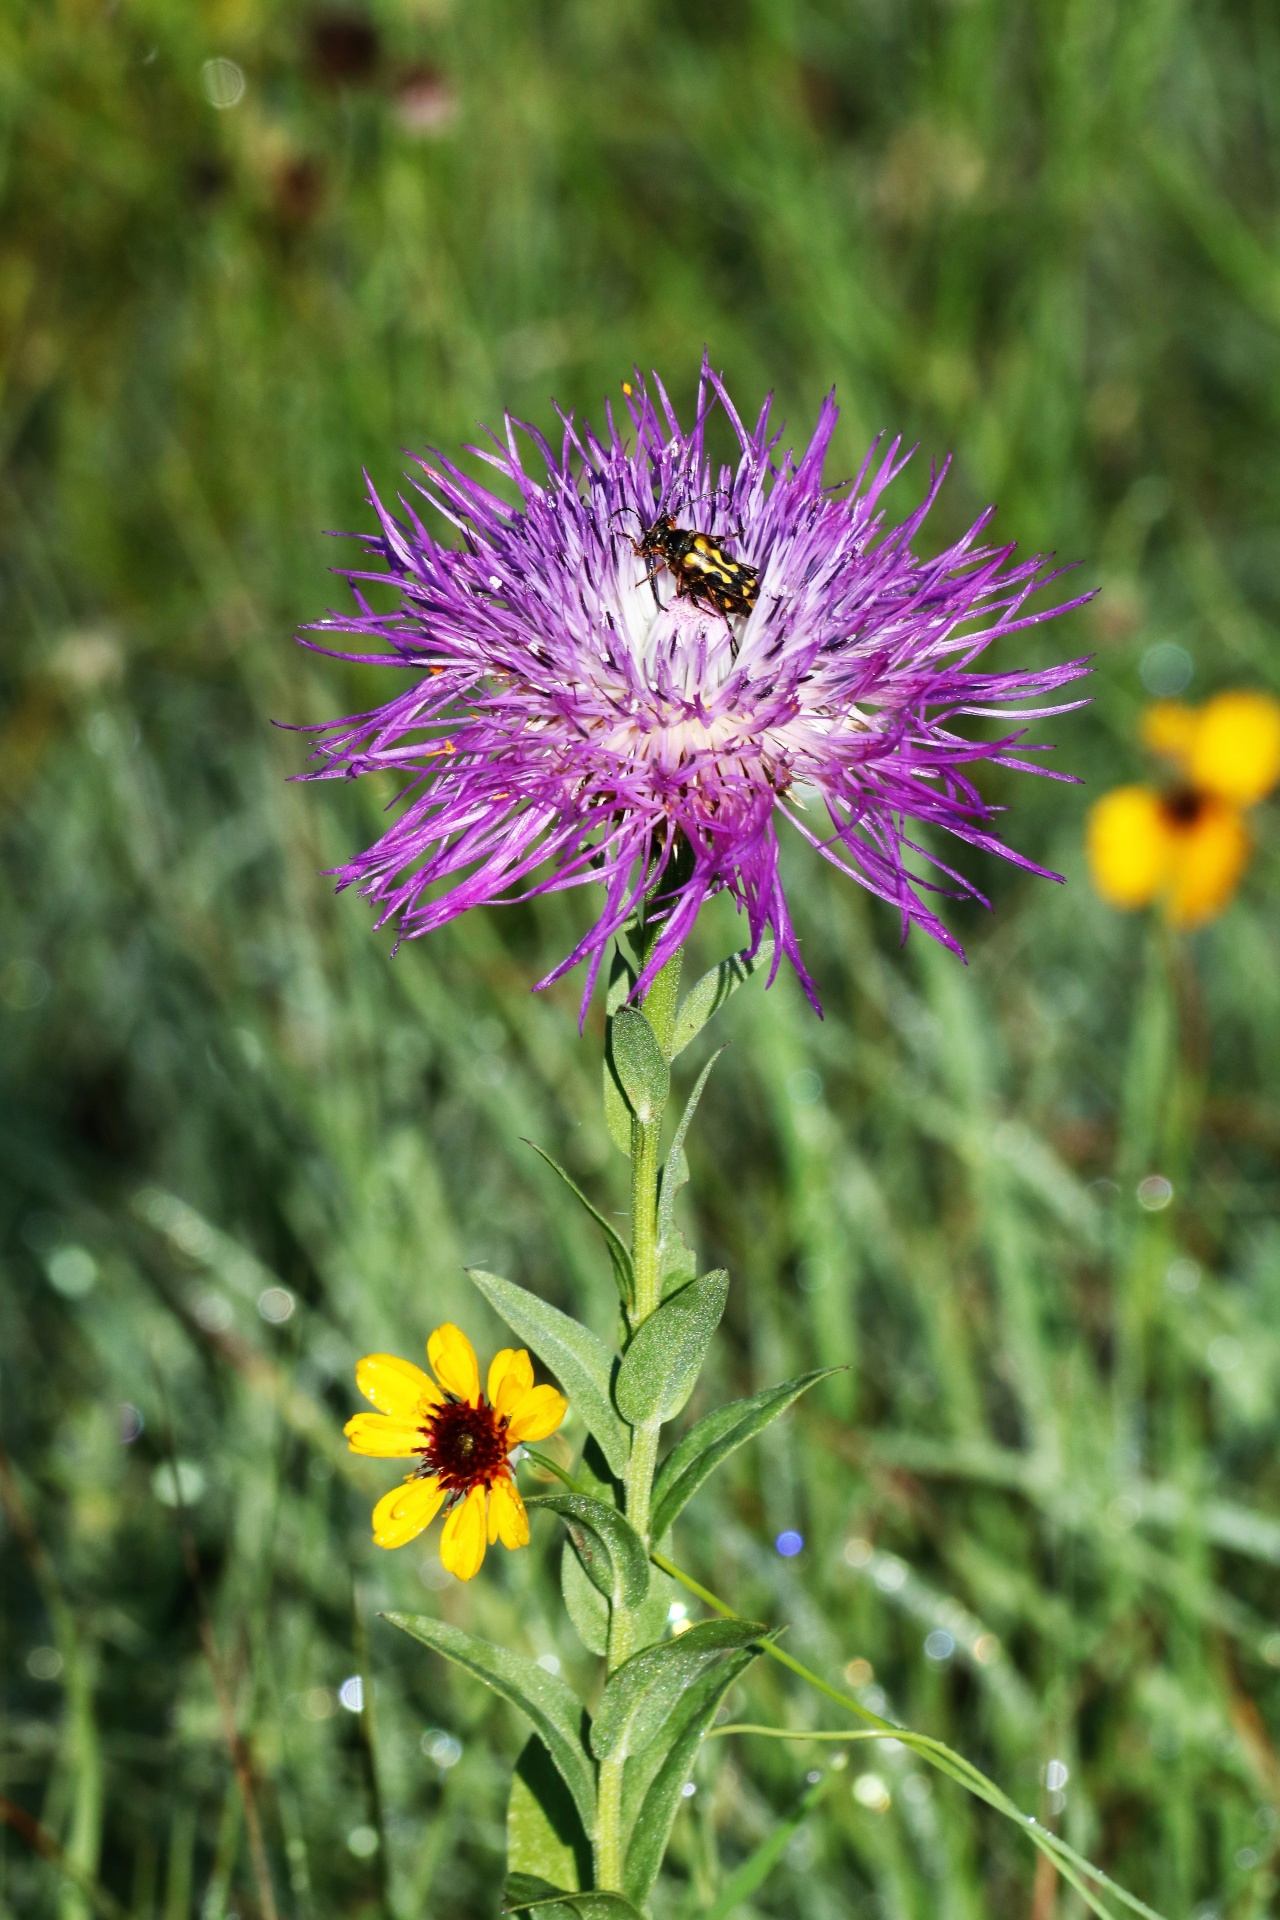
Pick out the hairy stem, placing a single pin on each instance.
(640, 1472)
(609, 1849)
(646, 1261)
(660, 1006)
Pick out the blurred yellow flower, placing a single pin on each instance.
(1188, 845)
(463, 1439)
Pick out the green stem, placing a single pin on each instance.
(609, 1850)
(646, 1260)
(640, 1471)
(660, 1005)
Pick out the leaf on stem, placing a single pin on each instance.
(641, 1694)
(528, 1894)
(581, 1363)
(617, 1114)
(587, 1607)
(710, 993)
(660, 1367)
(693, 1459)
(619, 1253)
(651, 1794)
(545, 1836)
(640, 1064)
(556, 1712)
(524, 1890)
(679, 1262)
(611, 1551)
(676, 1170)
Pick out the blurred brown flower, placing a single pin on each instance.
(344, 47)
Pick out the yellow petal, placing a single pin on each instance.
(1212, 853)
(401, 1515)
(536, 1414)
(1236, 751)
(1169, 728)
(462, 1537)
(454, 1359)
(384, 1438)
(1129, 844)
(508, 1520)
(396, 1386)
(510, 1375)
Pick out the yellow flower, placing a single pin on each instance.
(463, 1439)
(1188, 845)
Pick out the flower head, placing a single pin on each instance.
(596, 695)
(463, 1440)
(1187, 845)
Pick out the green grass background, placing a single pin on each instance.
(1042, 237)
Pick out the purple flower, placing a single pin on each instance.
(576, 713)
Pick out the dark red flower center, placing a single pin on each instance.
(466, 1446)
(1183, 806)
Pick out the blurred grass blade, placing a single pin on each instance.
(756, 1868)
(1072, 1866)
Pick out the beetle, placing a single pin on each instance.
(702, 571)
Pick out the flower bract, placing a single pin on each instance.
(585, 705)
(462, 1439)
(1188, 845)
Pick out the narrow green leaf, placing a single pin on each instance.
(710, 993)
(676, 1170)
(586, 1906)
(611, 1551)
(679, 1262)
(618, 1250)
(587, 1607)
(642, 1692)
(556, 1712)
(622, 979)
(661, 1366)
(545, 1836)
(582, 1364)
(524, 1887)
(525, 1890)
(1079, 1873)
(617, 1114)
(640, 1064)
(677, 1743)
(714, 1438)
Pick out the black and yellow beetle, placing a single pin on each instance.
(702, 571)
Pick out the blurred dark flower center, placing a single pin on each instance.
(1183, 806)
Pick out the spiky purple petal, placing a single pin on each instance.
(570, 720)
